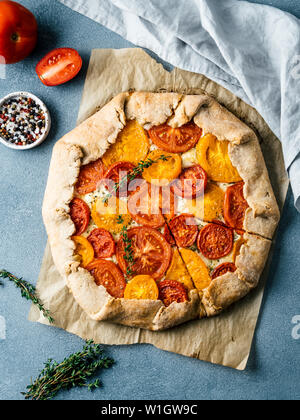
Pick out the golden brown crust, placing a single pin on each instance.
(231, 287)
(64, 171)
(97, 133)
(149, 314)
(91, 139)
(152, 109)
(263, 214)
(213, 118)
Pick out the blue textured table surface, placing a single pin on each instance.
(141, 372)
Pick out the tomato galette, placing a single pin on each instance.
(159, 210)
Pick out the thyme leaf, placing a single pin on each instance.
(73, 372)
(128, 257)
(28, 291)
(194, 248)
(120, 220)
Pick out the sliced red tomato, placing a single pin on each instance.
(151, 253)
(184, 229)
(191, 183)
(144, 208)
(235, 206)
(89, 177)
(172, 291)
(168, 235)
(59, 66)
(175, 140)
(116, 173)
(215, 241)
(107, 274)
(219, 222)
(223, 269)
(80, 215)
(103, 243)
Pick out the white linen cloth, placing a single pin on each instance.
(252, 50)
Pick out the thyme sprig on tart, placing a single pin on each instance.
(129, 254)
(133, 174)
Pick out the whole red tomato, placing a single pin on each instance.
(18, 32)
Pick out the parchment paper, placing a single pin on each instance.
(224, 340)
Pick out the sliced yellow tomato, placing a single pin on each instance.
(213, 156)
(112, 216)
(132, 146)
(163, 172)
(142, 287)
(179, 272)
(211, 206)
(197, 269)
(84, 249)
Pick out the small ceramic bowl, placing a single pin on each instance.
(47, 121)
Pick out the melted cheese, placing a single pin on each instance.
(189, 158)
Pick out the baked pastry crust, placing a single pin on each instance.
(89, 141)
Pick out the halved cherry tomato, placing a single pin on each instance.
(176, 140)
(116, 173)
(172, 291)
(142, 288)
(215, 241)
(235, 206)
(144, 208)
(103, 243)
(191, 183)
(151, 253)
(184, 229)
(223, 269)
(108, 274)
(84, 249)
(80, 215)
(59, 66)
(168, 235)
(89, 177)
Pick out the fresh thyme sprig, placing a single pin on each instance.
(28, 291)
(137, 171)
(73, 372)
(127, 247)
(120, 220)
(128, 257)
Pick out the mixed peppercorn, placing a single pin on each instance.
(22, 121)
